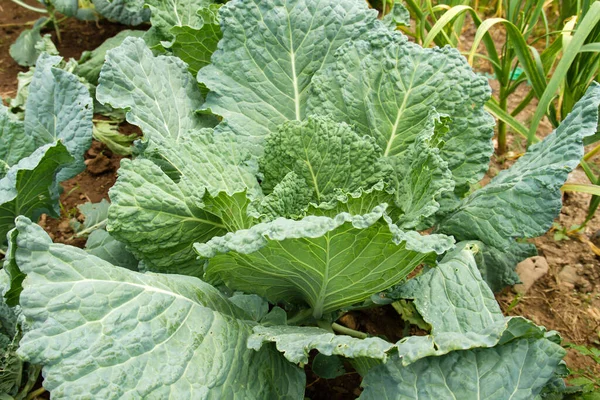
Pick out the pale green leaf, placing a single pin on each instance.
(102, 245)
(399, 15)
(295, 342)
(522, 201)
(261, 75)
(17, 103)
(158, 92)
(387, 87)
(106, 332)
(91, 62)
(422, 177)
(167, 14)
(195, 46)
(15, 144)
(194, 184)
(30, 187)
(452, 297)
(127, 12)
(325, 154)
(461, 309)
(108, 133)
(23, 50)
(157, 220)
(518, 370)
(497, 265)
(59, 107)
(94, 214)
(327, 262)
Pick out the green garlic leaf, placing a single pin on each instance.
(338, 260)
(261, 74)
(517, 370)
(387, 88)
(327, 155)
(59, 107)
(195, 46)
(522, 201)
(127, 12)
(295, 342)
(112, 333)
(90, 63)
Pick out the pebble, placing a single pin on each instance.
(530, 271)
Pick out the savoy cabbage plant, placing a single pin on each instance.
(330, 158)
(44, 146)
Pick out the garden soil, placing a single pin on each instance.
(566, 299)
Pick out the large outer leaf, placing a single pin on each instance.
(160, 217)
(159, 93)
(452, 297)
(59, 107)
(30, 188)
(158, 220)
(522, 201)
(497, 265)
(517, 370)
(473, 352)
(387, 87)
(25, 49)
(106, 332)
(128, 12)
(91, 62)
(261, 74)
(195, 46)
(326, 154)
(461, 309)
(295, 342)
(167, 190)
(15, 144)
(328, 262)
(167, 14)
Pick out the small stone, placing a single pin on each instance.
(64, 226)
(348, 321)
(568, 275)
(530, 271)
(98, 165)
